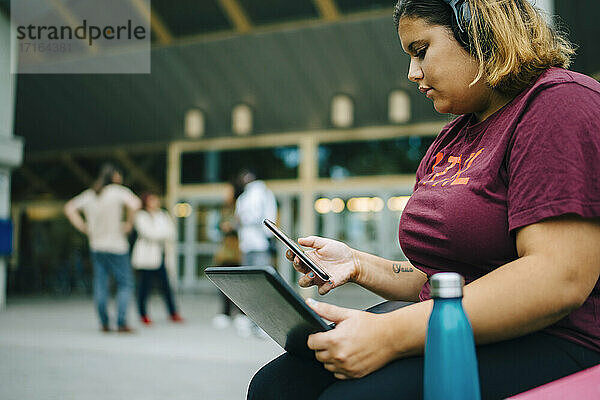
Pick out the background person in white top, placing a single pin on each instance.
(255, 203)
(102, 221)
(155, 229)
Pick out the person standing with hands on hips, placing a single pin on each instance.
(102, 206)
(155, 230)
(506, 195)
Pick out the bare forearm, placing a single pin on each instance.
(76, 220)
(393, 280)
(523, 296)
(129, 219)
(519, 298)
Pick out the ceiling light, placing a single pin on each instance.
(337, 205)
(182, 210)
(241, 119)
(194, 124)
(398, 107)
(323, 206)
(397, 203)
(342, 111)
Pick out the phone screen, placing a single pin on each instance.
(297, 250)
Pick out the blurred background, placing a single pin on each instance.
(310, 93)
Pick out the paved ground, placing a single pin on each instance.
(51, 349)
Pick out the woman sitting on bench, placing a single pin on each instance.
(507, 195)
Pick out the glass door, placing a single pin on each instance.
(199, 237)
(367, 221)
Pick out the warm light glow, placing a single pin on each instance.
(397, 203)
(376, 204)
(241, 119)
(337, 205)
(194, 124)
(182, 210)
(342, 111)
(399, 107)
(41, 212)
(365, 204)
(359, 204)
(323, 206)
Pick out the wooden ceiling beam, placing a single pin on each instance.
(137, 173)
(70, 19)
(96, 152)
(79, 172)
(328, 9)
(36, 182)
(158, 26)
(236, 15)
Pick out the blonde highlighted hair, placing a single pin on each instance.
(510, 39)
(513, 43)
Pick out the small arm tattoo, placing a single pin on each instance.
(397, 267)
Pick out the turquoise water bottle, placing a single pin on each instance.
(450, 361)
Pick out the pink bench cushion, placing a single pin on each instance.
(581, 385)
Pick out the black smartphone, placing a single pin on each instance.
(296, 250)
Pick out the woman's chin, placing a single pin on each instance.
(441, 108)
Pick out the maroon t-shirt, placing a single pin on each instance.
(537, 157)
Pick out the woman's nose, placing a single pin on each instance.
(415, 73)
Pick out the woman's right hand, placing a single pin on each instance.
(337, 258)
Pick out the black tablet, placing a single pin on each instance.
(271, 303)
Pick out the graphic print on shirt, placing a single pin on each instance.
(441, 178)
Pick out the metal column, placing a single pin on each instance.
(11, 149)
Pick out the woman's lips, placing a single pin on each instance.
(425, 90)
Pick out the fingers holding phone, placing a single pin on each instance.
(327, 264)
(298, 252)
(308, 278)
(296, 262)
(335, 257)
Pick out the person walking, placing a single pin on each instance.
(154, 229)
(228, 255)
(255, 203)
(98, 213)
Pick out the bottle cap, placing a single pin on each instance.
(446, 285)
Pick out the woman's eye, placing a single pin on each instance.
(421, 53)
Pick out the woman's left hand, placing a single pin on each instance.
(357, 346)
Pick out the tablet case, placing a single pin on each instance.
(271, 303)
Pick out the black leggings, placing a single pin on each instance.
(145, 283)
(505, 368)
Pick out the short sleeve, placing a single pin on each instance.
(130, 199)
(83, 199)
(554, 158)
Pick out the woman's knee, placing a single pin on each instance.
(263, 383)
(289, 377)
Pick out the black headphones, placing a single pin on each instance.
(462, 13)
